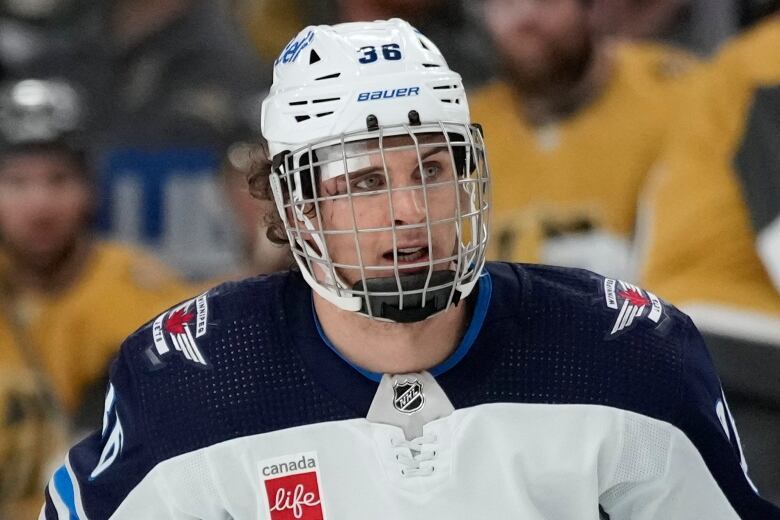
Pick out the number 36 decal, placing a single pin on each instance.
(390, 52)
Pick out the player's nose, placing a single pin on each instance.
(408, 205)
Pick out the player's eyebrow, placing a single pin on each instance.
(431, 149)
(364, 171)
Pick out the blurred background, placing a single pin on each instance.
(636, 138)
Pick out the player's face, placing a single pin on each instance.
(541, 42)
(414, 194)
(44, 206)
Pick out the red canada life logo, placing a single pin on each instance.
(292, 487)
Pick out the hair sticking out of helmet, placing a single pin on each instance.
(378, 175)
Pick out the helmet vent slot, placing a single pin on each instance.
(296, 103)
(431, 65)
(330, 76)
(325, 100)
(314, 57)
(422, 42)
(302, 118)
(325, 114)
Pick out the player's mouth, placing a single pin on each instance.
(408, 255)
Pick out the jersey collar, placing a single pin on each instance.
(477, 320)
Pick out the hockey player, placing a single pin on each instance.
(395, 374)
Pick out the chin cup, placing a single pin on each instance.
(414, 308)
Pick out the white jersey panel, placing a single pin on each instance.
(497, 461)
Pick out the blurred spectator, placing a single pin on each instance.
(32, 433)
(573, 127)
(167, 80)
(448, 23)
(713, 210)
(67, 300)
(698, 25)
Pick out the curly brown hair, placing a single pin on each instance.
(258, 178)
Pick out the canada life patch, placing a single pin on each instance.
(182, 326)
(632, 303)
(292, 487)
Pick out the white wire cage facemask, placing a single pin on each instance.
(392, 223)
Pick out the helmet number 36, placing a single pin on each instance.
(390, 52)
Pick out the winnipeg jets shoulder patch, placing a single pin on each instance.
(632, 305)
(178, 331)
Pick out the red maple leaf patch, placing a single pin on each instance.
(177, 320)
(634, 297)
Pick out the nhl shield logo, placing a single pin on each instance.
(408, 395)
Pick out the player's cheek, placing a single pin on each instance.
(369, 212)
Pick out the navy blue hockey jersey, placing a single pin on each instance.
(570, 396)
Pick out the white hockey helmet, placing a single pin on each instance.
(339, 92)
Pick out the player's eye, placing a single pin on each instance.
(368, 182)
(431, 171)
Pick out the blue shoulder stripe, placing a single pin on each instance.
(63, 485)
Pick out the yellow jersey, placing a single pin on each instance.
(71, 336)
(583, 173)
(32, 435)
(62, 343)
(717, 186)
